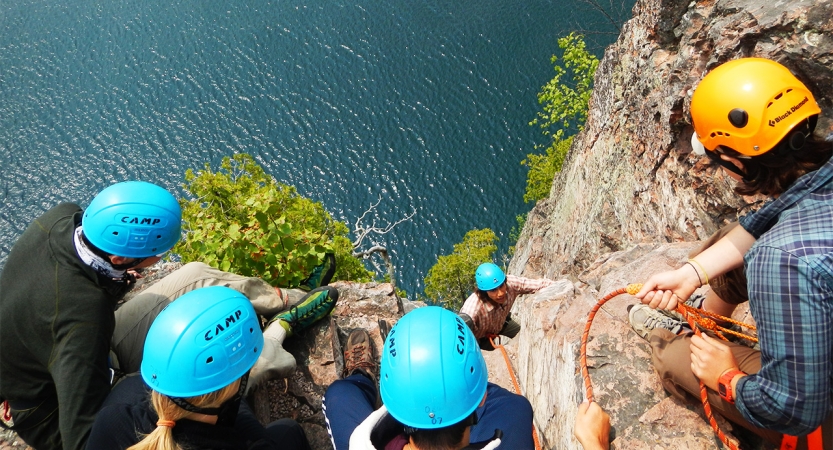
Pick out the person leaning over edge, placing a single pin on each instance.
(196, 364)
(434, 390)
(487, 311)
(756, 119)
(58, 289)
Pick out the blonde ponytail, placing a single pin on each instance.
(169, 413)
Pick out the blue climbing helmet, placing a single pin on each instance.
(133, 219)
(489, 276)
(201, 342)
(432, 373)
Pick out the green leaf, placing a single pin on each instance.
(238, 215)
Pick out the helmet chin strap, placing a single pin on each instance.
(218, 411)
(728, 165)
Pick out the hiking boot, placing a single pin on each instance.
(358, 358)
(643, 319)
(358, 355)
(313, 307)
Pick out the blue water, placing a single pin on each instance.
(422, 104)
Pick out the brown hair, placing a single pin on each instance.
(162, 437)
(445, 438)
(483, 295)
(776, 170)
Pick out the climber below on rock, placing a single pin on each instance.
(487, 311)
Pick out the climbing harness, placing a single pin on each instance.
(691, 316)
(492, 338)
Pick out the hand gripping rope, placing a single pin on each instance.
(694, 317)
(492, 338)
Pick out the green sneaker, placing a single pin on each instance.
(313, 307)
(321, 274)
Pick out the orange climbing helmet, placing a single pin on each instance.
(749, 105)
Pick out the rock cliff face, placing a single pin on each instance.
(632, 200)
(630, 176)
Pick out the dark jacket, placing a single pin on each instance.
(122, 423)
(56, 322)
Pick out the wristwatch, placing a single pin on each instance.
(724, 384)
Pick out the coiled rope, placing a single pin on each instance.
(514, 383)
(694, 317)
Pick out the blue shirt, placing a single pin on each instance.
(790, 280)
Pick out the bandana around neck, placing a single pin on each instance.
(99, 264)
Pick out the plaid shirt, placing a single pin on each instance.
(790, 279)
(488, 317)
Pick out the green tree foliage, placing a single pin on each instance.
(240, 219)
(515, 232)
(564, 101)
(542, 169)
(451, 280)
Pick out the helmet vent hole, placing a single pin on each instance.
(251, 330)
(255, 350)
(115, 233)
(209, 360)
(471, 369)
(769, 104)
(738, 117)
(778, 97)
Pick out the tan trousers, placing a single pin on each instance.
(133, 319)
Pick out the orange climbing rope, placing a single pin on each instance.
(514, 383)
(694, 317)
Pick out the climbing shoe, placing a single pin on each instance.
(313, 307)
(321, 274)
(643, 319)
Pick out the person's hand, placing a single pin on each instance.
(137, 274)
(664, 290)
(592, 426)
(710, 358)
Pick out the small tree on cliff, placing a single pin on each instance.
(451, 280)
(240, 219)
(564, 101)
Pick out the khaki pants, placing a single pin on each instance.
(133, 319)
(671, 355)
